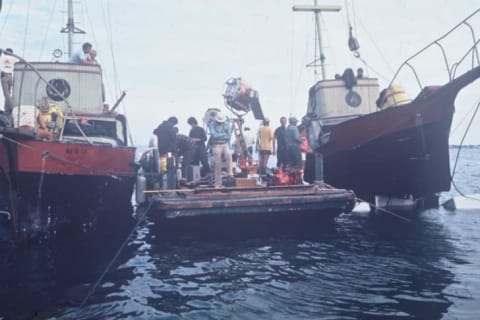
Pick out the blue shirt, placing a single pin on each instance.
(292, 136)
(219, 132)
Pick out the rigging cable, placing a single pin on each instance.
(116, 84)
(115, 257)
(115, 70)
(295, 86)
(50, 19)
(292, 42)
(373, 205)
(6, 17)
(458, 152)
(26, 28)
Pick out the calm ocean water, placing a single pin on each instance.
(360, 267)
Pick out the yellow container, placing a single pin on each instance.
(394, 96)
(163, 163)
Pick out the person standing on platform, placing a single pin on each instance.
(220, 132)
(166, 136)
(304, 146)
(198, 136)
(292, 137)
(7, 62)
(280, 148)
(185, 148)
(249, 140)
(265, 138)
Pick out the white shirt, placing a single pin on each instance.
(249, 138)
(78, 56)
(24, 115)
(7, 62)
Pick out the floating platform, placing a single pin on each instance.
(273, 201)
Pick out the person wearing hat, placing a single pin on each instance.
(264, 142)
(220, 132)
(292, 137)
(42, 118)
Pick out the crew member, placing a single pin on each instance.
(220, 132)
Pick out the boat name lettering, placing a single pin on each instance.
(75, 150)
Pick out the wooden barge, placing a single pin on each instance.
(243, 210)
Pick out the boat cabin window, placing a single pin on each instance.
(101, 131)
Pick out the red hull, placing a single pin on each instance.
(397, 151)
(43, 181)
(75, 159)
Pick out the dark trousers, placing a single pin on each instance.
(200, 156)
(282, 157)
(7, 82)
(294, 157)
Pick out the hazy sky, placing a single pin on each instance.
(173, 57)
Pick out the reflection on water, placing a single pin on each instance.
(361, 267)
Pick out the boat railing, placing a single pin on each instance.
(47, 83)
(449, 66)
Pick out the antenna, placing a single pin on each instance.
(70, 28)
(316, 9)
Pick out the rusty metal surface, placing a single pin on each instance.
(258, 200)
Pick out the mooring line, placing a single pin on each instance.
(97, 283)
(385, 210)
(48, 154)
(372, 205)
(2, 136)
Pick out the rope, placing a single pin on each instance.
(13, 207)
(26, 27)
(16, 142)
(48, 154)
(112, 174)
(110, 264)
(458, 152)
(50, 19)
(116, 83)
(6, 18)
(384, 210)
(372, 205)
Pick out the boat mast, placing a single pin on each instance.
(70, 28)
(316, 9)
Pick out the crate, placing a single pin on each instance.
(248, 166)
(245, 182)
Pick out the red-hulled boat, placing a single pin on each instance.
(84, 173)
(380, 144)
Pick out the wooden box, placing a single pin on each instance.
(245, 182)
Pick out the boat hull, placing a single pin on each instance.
(49, 184)
(394, 152)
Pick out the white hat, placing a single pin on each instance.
(220, 117)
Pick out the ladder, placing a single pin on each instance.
(240, 146)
